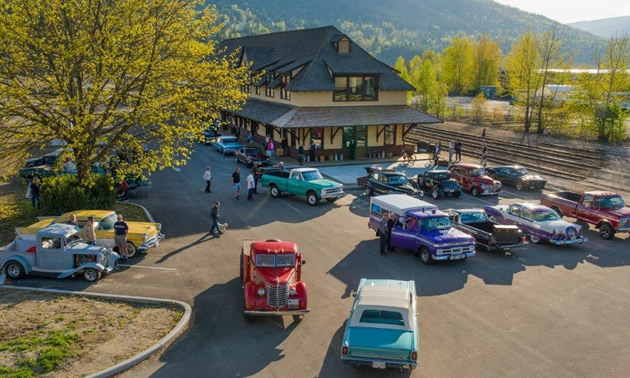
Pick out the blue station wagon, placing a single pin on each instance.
(227, 144)
(382, 331)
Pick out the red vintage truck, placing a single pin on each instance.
(271, 272)
(605, 210)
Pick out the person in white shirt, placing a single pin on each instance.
(251, 185)
(207, 176)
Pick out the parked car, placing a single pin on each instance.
(251, 155)
(306, 182)
(488, 234)
(473, 178)
(210, 135)
(420, 227)
(439, 184)
(605, 210)
(540, 223)
(142, 235)
(389, 181)
(517, 176)
(271, 272)
(382, 330)
(227, 144)
(56, 251)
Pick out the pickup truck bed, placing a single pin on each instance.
(493, 236)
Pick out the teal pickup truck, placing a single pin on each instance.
(306, 182)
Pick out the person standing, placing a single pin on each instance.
(436, 154)
(251, 185)
(382, 233)
(87, 233)
(236, 182)
(458, 150)
(271, 147)
(214, 214)
(390, 226)
(123, 191)
(207, 176)
(301, 153)
(451, 151)
(250, 138)
(285, 146)
(312, 151)
(36, 186)
(484, 155)
(483, 133)
(73, 220)
(257, 174)
(237, 132)
(120, 236)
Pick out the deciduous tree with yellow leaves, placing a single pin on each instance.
(109, 76)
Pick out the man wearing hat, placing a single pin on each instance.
(87, 233)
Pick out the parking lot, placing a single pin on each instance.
(536, 311)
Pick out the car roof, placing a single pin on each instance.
(601, 193)
(507, 166)
(303, 169)
(471, 210)
(428, 214)
(84, 214)
(533, 206)
(466, 166)
(58, 230)
(401, 203)
(273, 247)
(384, 293)
(435, 171)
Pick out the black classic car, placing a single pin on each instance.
(439, 184)
(210, 135)
(251, 155)
(516, 176)
(490, 235)
(388, 181)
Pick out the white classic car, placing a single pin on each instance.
(538, 222)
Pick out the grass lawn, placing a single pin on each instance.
(130, 212)
(60, 336)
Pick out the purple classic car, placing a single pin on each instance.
(421, 228)
(540, 223)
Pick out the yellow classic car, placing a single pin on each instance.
(141, 237)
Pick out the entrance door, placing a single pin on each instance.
(355, 141)
(361, 141)
(349, 141)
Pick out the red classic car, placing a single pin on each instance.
(271, 272)
(472, 177)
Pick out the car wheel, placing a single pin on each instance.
(312, 199)
(474, 191)
(534, 239)
(91, 275)
(606, 231)
(435, 194)
(425, 256)
(14, 270)
(274, 191)
(492, 219)
(457, 194)
(131, 250)
(519, 186)
(298, 318)
(369, 191)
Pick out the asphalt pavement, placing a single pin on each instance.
(537, 311)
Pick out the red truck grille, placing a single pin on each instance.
(277, 296)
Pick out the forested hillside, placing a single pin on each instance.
(391, 28)
(605, 27)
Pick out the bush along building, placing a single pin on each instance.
(318, 88)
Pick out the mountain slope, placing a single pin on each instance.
(605, 27)
(389, 28)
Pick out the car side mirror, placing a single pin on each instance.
(303, 262)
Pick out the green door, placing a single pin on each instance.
(350, 141)
(361, 141)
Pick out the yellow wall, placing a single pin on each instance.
(372, 132)
(325, 98)
(399, 134)
(336, 143)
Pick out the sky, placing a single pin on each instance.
(566, 11)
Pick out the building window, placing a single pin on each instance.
(343, 46)
(390, 135)
(355, 88)
(258, 91)
(269, 92)
(284, 94)
(317, 136)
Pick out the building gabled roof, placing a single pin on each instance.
(315, 50)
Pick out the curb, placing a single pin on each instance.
(146, 212)
(134, 360)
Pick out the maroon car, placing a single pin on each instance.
(251, 155)
(473, 178)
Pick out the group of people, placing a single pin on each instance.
(455, 150)
(88, 233)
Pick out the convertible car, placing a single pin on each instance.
(540, 223)
(517, 176)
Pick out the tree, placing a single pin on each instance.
(426, 85)
(438, 100)
(521, 70)
(550, 51)
(486, 61)
(129, 76)
(457, 65)
(479, 106)
(401, 67)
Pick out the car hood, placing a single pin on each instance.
(256, 157)
(449, 236)
(142, 228)
(558, 226)
(621, 212)
(531, 178)
(275, 276)
(478, 180)
(450, 183)
(85, 249)
(324, 183)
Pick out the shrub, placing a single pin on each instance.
(62, 194)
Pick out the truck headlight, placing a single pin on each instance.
(292, 291)
(261, 292)
(485, 187)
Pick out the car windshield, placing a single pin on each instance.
(478, 172)
(382, 317)
(435, 223)
(108, 222)
(251, 151)
(281, 260)
(475, 217)
(443, 176)
(397, 180)
(610, 202)
(73, 239)
(521, 171)
(228, 140)
(311, 175)
(545, 215)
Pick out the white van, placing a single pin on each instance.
(399, 204)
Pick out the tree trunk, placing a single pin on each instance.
(82, 163)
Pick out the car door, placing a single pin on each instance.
(105, 231)
(585, 210)
(295, 182)
(400, 237)
(529, 225)
(465, 181)
(508, 176)
(51, 256)
(427, 180)
(513, 214)
(373, 180)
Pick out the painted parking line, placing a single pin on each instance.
(478, 199)
(148, 267)
(291, 206)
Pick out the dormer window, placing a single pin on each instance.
(343, 46)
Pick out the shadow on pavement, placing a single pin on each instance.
(223, 325)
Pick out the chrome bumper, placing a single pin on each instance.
(464, 255)
(491, 193)
(333, 195)
(568, 242)
(277, 313)
(152, 242)
(389, 364)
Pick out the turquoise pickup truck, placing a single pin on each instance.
(307, 182)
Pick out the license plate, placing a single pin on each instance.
(457, 257)
(294, 303)
(378, 365)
